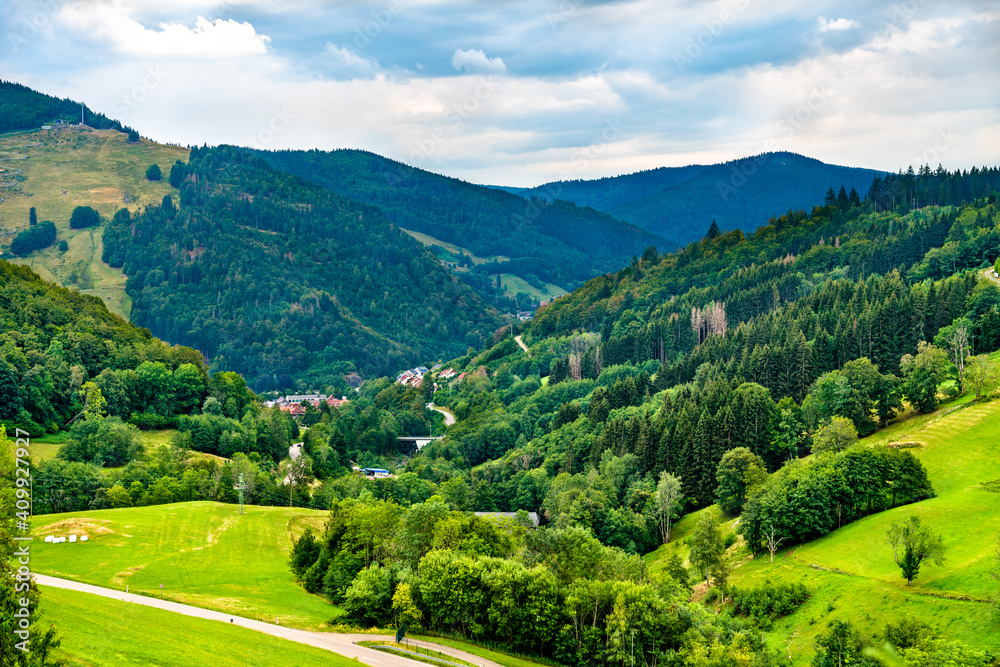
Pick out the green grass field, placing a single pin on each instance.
(80, 167)
(102, 631)
(851, 571)
(204, 553)
(47, 446)
(513, 284)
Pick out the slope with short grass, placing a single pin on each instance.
(202, 553)
(60, 169)
(851, 572)
(101, 631)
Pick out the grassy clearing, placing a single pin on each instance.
(203, 553)
(102, 631)
(452, 251)
(449, 253)
(513, 284)
(499, 658)
(80, 167)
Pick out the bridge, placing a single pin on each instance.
(419, 441)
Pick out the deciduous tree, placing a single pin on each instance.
(912, 544)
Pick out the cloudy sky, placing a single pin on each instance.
(522, 92)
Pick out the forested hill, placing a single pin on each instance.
(22, 108)
(762, 345)
(607, 193)
(53, 341)
(558, 242)
(680, 204)
(277, 278)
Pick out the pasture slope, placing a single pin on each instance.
(61, 169)
(203, 553)
(851, 573)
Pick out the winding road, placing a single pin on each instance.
(449, 418)
(991, 275)
(342, 644)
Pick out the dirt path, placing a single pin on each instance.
(519, 341)
(342, 644)
(991, 275)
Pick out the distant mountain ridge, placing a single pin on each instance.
(679, 203)
(604, 194)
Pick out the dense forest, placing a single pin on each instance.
(680, 204)
(22, 108)
(281, 280)
(558, 241)
(606, 193)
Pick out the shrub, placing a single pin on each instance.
(84, 216)
(769, 601)
(153, 173)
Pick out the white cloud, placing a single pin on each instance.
(826, 25)
(345, 62)
(474, 60)
(220, 38)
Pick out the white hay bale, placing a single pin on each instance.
(72, 539)
(83, 538)
(49, 538)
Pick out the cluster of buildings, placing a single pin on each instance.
(292, 404)
(413, 377)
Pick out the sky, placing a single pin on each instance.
(513, 92)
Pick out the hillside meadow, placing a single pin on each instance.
(70, 167)
(203, 553)
(850, 572)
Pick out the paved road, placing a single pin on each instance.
(449, 418)
(519, 341)
(991, 275)
(338, 643)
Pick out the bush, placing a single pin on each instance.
(84, 216)
(769, 601)
(150, 421)
(63, 246)
(153, 173)
(103, 442)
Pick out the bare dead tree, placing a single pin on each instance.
(773, 541)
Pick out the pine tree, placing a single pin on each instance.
(32, 217)
(713, 231)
